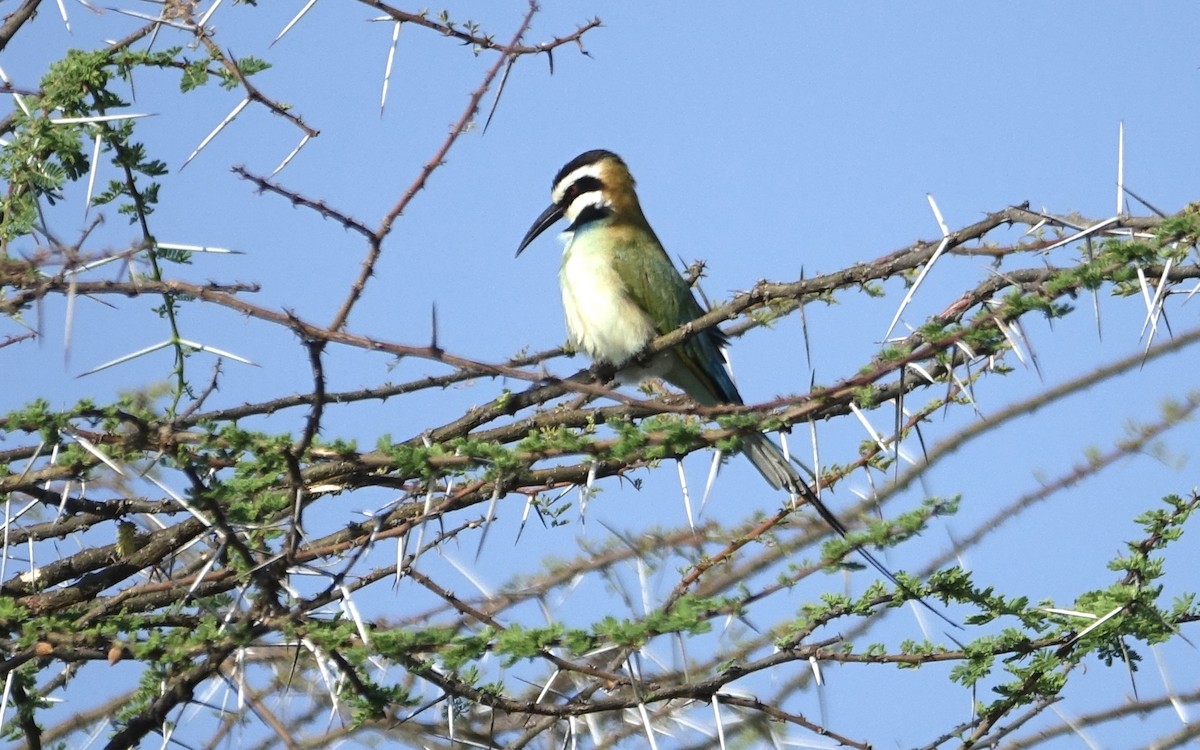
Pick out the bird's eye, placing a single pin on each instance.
(585, 184)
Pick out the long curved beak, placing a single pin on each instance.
(543, 222)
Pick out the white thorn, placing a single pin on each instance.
(62, 11)
(91, 184)
(875, 436)
(387, 70)
(19, 99)
(208, 14)
(228, 119)
(716, 707)
(711, 480)
(920, 277)
(294, 20)
(1082, 233)
(815, 666)
(687, 497)
(937, 214)
(290, 156)
(97, 118)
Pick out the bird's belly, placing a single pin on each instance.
(601, 318)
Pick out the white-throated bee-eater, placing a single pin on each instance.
(620, 291)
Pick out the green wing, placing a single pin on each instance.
(655, 286)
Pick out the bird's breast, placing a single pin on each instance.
(602, 319)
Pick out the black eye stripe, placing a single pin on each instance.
(578, 187)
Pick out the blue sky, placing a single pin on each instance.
(766, 140)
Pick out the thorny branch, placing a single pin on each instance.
(212, 553)
(83, 576)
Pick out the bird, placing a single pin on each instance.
(620, 291)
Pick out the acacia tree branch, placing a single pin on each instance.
(15, 20)
(234, 553)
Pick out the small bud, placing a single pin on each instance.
(127, 542)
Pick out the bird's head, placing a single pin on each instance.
(592, 186)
